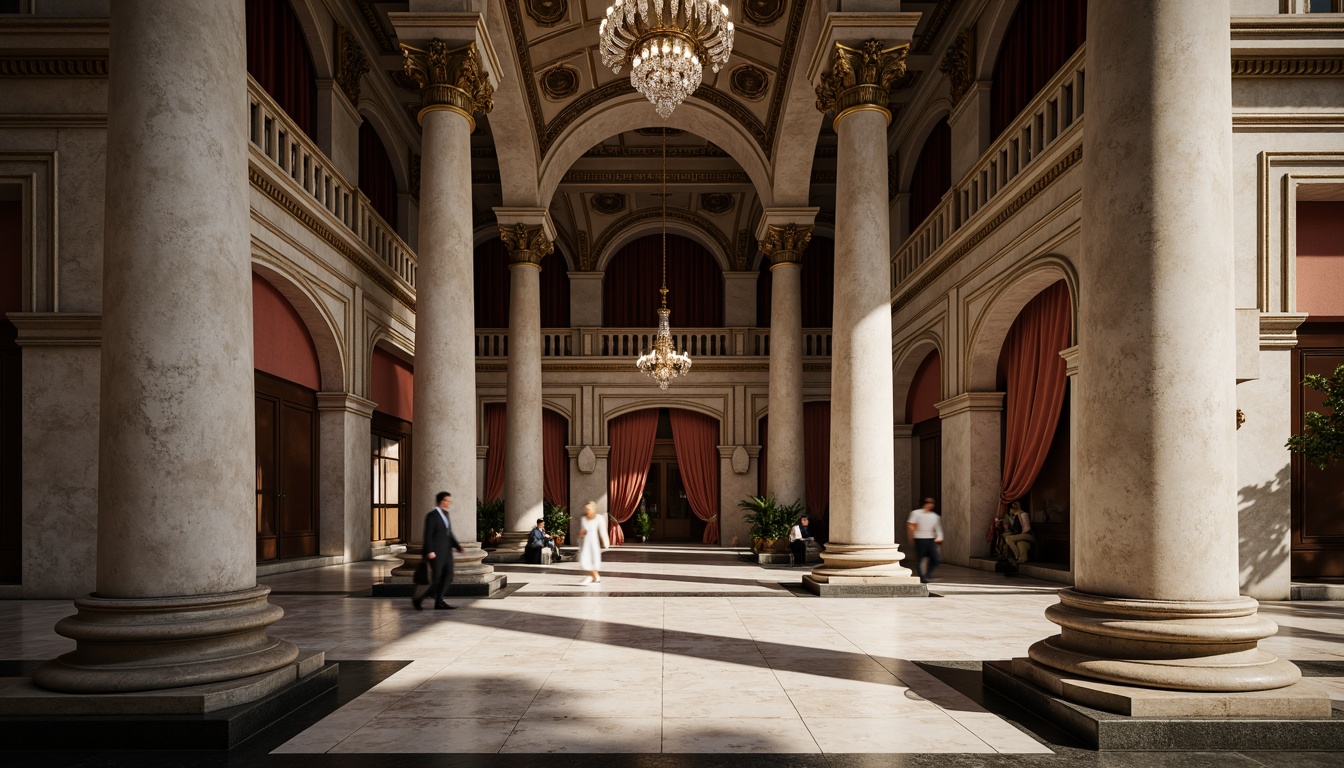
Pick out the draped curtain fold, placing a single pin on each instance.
(817, 457)
(491, 287)
(555, 458)
(933, 174)
(279, 60)
(694, 282)
(377, 178)
(1041, 36)
(494, 455)
(695, 437)
(761, 458)
(1036, 382)
(631, 437)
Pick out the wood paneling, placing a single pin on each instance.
(287, 503)
(1317, 495)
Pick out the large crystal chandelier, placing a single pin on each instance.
(663, 363)
(664, 42)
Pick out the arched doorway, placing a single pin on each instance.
(391, 386)
(665, 463)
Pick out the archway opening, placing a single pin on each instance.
(694, 280)
(491, 275)
(663, 476)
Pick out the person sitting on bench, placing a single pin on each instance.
(538, 540)
(799, 535)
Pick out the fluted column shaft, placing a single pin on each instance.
(784, 461)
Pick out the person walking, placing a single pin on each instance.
(925, 527)
(592, 540)
(439, 544)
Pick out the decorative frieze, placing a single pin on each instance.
(1297, 66)
(449, 78)
(959, 64)
(53, 66)
(526, 244)
(861, 78)
(784, 244)
(351, 64)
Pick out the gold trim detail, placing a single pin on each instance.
(351, 63)
(784, 244)
(449, 79)
(861, 76)
(526, 244)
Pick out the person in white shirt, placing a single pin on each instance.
(925, 527)
(799, 535)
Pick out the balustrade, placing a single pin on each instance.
(631, 342)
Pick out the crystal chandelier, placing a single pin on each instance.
(664, 42)
(663, 363)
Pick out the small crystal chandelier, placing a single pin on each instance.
(664, 42)
(664, 363)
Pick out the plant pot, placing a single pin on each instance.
(758, 545)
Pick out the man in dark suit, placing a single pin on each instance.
(439, 544)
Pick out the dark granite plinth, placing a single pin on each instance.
(456, 589)
(1107, 731)
(872, 589)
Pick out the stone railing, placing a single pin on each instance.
(629, 342)
(1039, 126)
(294, 156)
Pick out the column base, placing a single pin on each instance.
(169, 642)
(1182, 646)
(510, 549)
(892, 586)
(850, 562)
(472, 577)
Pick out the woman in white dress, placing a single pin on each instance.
(592, 540)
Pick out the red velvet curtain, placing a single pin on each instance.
(491, 276)
(1042, 35)
(760, 459)
(817, 457)
(694, 282)
(818, 286)
(695, 437)
(494, 454)
(278, 58)
(631, 437)
(555, 458)
(1036, 382)
(933, 174)
(377, 179)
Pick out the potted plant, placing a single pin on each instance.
(770, 521)
(489, 521)
(1322, 438)
(643, 524)
(557, 521)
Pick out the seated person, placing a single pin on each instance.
(799, 535)
(1017, 533)
(538, 540)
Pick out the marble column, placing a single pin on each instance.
(862, 554)
(452, 89)
(177, 602)
(1156, 601)
(784, 245)
(528, 243)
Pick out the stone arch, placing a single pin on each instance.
(908, 361)
(1014, 291)
(939, 109)
(320, 47)
(396, 150)
(649, 221)
(998, 14)
(322, 327)
(632, 111)
(686, 404)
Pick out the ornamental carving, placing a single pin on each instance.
(784, 244)
(959, 63)
(586, 260)
(749, 82)
(763, 13)
(526, 244)
(745, 250)
(415, 176)
(449, 77)
(351, 64)
(860, 76)
(716, 202)
(560, 82)
(547, 13)
(609, 202)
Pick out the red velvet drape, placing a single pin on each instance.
(817, 457)
(278, 58)
(1036, 382)
(555, 458)
(494, 454)
(631, 437)
(764, 430)
(491, 276)
(933, 174)
(818, 286)
(694, 283)
(1042, 35)
(377, 179)
(695, 437)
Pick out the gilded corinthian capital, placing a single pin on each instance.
(526, 244)
(784, 244)
(449, 79)
(861, 78)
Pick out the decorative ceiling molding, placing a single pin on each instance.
(609, 202)
(654, 177)
(375, 25)
(763, 13)
(53, 66)
(637, 217)
(717, 203)
(616, 150)
(547, 13)
(749, 82)
(560, 82)
(937, 18)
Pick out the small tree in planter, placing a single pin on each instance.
(643, 524)
(769, 520)
(557, 521)
(1322, 439)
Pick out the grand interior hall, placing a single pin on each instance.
(812, 382)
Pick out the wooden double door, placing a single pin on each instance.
(665, 497)
(287, 505)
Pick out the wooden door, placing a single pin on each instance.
(930, 435)
(1317, 495)
(287, 506)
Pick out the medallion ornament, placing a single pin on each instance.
(861, 78)
(609, 202)
(785, 243)
(351, 64)
(547, 13)
(749, 82)
(559, 83)
(763, 13)
(959, 62)
(665, 43)
(449, 78)
(526, 244)
(716, 202)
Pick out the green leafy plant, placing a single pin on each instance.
(489, 518)
(556, 517)
(1322, 438)
(770, 520)
(643, 523)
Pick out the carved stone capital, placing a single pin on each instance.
(449, 79)
(784, 244)
(526, 244)
(959, 63)
(861, 78)
(351, 64)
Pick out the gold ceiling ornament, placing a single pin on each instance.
(861, 78)
(665, 43)
(785, 243)
(526, 244)
(351, 63)
(664, 363)
(449, 78)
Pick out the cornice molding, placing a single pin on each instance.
(1278, 330)
(54, 66)
(58, 329)
(936, 19)
(970, 401)
(344, 401)
(1288, 66)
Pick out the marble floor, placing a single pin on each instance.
(684, 651)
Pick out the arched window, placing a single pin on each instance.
(1041, 36)
(377, 179)
(694, 281)
(278, 59)
(933, 174)
(818, 281)
(491, 273)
